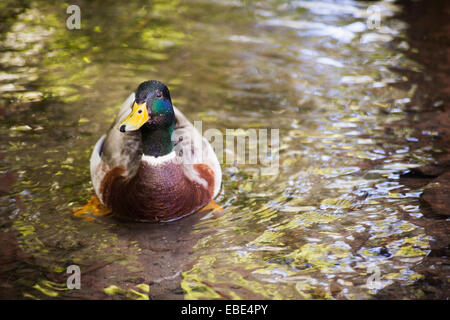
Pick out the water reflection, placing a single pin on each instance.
(311, 69)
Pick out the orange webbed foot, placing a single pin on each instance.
(216, 209)
(92, 208)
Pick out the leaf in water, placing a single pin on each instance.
(113, 289)
(45, 291)
(144, 287)
(133, 294)
(342, 203)
(409, 251)
(268, 237)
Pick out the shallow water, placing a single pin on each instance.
(333, 217)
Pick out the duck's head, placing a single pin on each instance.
(152, 108)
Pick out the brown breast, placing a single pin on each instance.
(156, 193)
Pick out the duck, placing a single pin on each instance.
(153, 165)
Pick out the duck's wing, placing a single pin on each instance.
(191, 148)
(122, 148)
(116, 149)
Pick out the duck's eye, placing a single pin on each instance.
(158, 94)
(139, 111)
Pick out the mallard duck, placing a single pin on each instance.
(153, 165)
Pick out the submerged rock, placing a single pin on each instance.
(436, 195)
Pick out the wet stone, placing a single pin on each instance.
(436, 195)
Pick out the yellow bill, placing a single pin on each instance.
(136, 118)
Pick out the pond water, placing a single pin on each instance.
(333, 222)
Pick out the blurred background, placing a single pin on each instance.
(358, 90)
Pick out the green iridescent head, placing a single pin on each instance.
(152, 108)
(153, 116)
